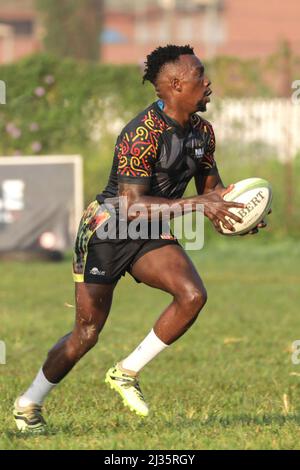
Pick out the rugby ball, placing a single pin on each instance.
(257, 194)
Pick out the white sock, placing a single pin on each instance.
(144, 353)
(37, 391)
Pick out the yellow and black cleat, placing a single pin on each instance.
(29, 418)
(129, 389)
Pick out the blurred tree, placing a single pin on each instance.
(286, 65)
(72, 27)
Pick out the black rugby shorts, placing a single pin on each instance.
(104, 261)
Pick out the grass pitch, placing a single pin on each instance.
(229, 383)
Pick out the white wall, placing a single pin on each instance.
(275, 122)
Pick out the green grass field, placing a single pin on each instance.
(229, 383)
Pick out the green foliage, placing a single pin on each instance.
(56, 105)
(238, 78)
(60, 97)
(268, 77)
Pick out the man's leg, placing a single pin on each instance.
(167, 268)
(93, 302)
(171, 270)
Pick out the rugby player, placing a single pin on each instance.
(156, 155)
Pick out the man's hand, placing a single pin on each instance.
(216, 209)
(262, 224)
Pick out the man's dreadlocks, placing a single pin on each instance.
(161, 56)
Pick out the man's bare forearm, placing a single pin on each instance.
(153, 207)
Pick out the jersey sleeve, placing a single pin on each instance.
(137, 151)
(207, 164)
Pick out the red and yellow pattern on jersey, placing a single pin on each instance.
(138, 149)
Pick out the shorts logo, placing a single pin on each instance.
(96, 272)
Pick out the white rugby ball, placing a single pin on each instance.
(257, 194)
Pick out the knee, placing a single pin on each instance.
(193, 298)
(196, 298)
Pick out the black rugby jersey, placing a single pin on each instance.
(155, 149)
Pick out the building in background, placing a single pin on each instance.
(19, 30)
(132, 28)
(243, 28)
